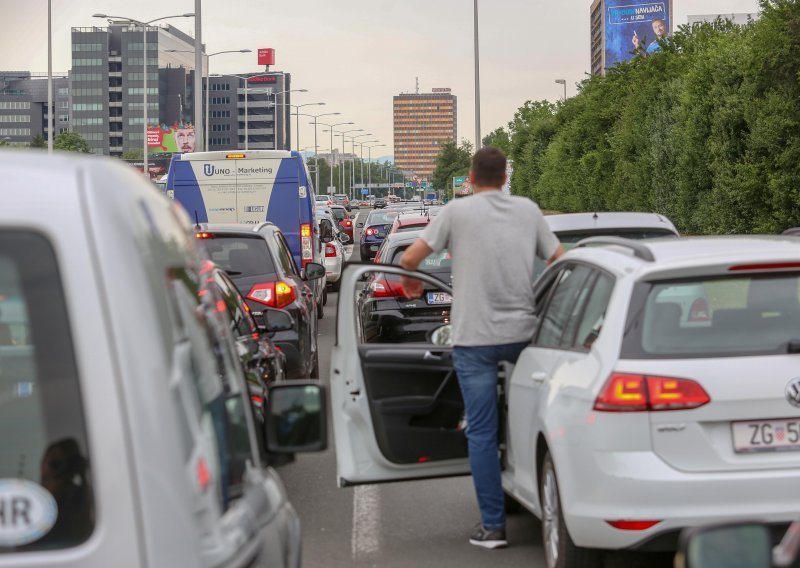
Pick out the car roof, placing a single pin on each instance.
(688, 256)
(223, 154)
(233, 228)
(568, 222)
(399, 239)
(412, 219)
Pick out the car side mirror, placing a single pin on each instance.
(738, 545)
(360, 225)
(275, 320)
(344, 238)
(314, 271)
(295, 418)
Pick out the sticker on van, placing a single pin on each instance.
(27, 512)
(303, 192)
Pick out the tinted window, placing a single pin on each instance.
(570, 291)
(591, 322)
(285, 258)
(241, 321)
(339, 213)
(241, 256)
(434, 262)
(716, 317)
(42, 426)
(569, 240)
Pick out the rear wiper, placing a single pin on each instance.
(793, 346)
(233, 273)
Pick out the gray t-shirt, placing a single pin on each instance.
(493, 239)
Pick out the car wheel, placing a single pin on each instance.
(559, 550)
(335, 286)
(325, 297)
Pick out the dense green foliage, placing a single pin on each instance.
(71, 142)
(453, 160)
(706, 132)
(38, 142)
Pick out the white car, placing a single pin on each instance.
(334, 246)
(622, 422)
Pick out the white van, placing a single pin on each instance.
(126, 433)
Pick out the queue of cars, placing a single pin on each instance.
(129, 429)
(659, 393)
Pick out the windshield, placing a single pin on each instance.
(570, 239)
(716, 317)
(381, 218)
(339, 213)
(240, 256)
(434, 262)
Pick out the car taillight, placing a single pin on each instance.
(204, 235)
(330, 250)
(699, 311)
(633, 525)
(273, 294)
(347, 223)
(370, 232)
(638, 393)
(382, 288)
(307, 250)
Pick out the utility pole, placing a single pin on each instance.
(477, 85)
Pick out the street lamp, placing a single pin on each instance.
(563, 82)
(331, 126)
(477, 83)
(353, 178)
(144, 48)
(316, 145)
(208, 79)
(298, 107)
(369, 169)
(343, 132)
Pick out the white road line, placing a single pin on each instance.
(366, 521)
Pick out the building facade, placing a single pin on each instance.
(266, 112)
(108, 67)
(423, 121)
(23, 106)
(597, 37)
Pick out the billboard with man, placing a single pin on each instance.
(635, 27)
(177, 139)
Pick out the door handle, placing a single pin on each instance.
(538, 376)
(431, 357)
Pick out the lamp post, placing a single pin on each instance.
(316, 145)
(298, 107)
(331, 126)
(563, 82)
(353, 178)
(369, 169)
(144, 48)
(477, 83)
(50, 118)
(208, 79)
(361, 144)
(343, 132)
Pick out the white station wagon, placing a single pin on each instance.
(624, 421)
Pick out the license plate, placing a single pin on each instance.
(374, 247)
(766, 436)
(439, 298)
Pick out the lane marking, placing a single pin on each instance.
(365, 539)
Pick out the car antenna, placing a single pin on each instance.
(197, 226)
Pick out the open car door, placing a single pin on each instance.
(396, 405)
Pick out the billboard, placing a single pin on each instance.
(266, 56)
(635, 27)
(178, 138)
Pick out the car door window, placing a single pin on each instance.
(241, 321)
(285, 258)
(561, 306)
(594, 314)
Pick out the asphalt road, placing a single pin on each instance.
(420, 523)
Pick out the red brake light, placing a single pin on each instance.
(305, 230)
(306, 246)
(347, 223)
(330, 250)
(273, 294)
(371, 232)
(382, 288)
(638, 393)
(633, 525)
(203, 474)
(204, 235)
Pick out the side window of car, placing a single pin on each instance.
(240, 323)
(561, 305)
(285, 256)
(591, 323)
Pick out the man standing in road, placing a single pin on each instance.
(493, 240)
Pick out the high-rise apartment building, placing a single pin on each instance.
(422, 121)
(597, 39)
(108, 67)
(23, 105)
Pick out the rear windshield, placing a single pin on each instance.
(569, 240)
(339, 214)
(45, 475)
(435, 262)
(241, 256)
(380, 218)
(714, 317)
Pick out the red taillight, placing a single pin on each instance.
(370, 232)
(330, 250)
(637, 393)
(258, 401)
(382, 288)
(347, 223)
(633, 525)
(699, 311)
(273, 294)
(306, 246)
(203, 474)
(204, 235)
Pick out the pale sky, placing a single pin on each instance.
(354, 55)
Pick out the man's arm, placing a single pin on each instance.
(412, 258)
(556, 255)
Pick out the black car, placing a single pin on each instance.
(380, 203)
(260, 264)
(387, 315)
(263, 363)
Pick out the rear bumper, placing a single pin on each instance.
(333, 269)
(597, 487)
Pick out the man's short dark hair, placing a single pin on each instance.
(489, 167)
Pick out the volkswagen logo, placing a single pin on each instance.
(793, 392)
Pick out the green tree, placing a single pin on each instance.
(133, 154)
(453, 160)
(498, 138)
(38, 142)
(71, 142)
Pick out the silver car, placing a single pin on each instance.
(126, 431)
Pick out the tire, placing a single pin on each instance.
(335, 286)
(559, 550)
(325, 296)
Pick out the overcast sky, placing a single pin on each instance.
(354, 55)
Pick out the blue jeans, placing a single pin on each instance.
(476, 368)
